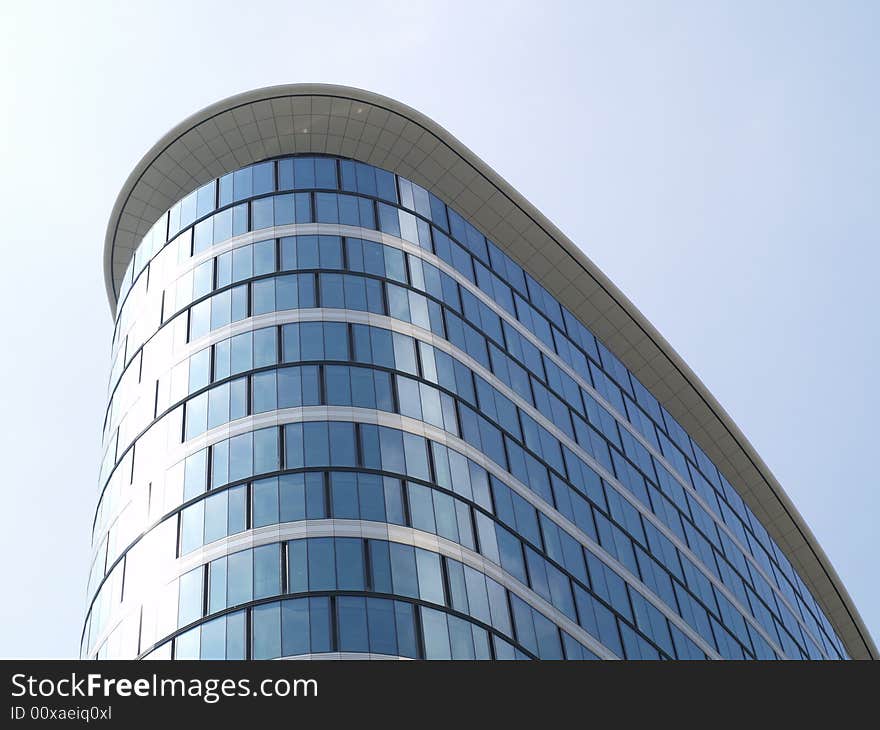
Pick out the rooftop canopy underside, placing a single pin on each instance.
(338, 120)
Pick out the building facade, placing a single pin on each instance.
(365, 401)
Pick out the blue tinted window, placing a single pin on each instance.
(430, 576)
(393, 501)
(266, 631)
(237, 510)
(407, 643)
(316, 444)
(322, 564)
(239, 577)
(190, 603)
(344, 495)
(349, 564)
(436, 634)
(295, 627)
(216, 507)
(383, 634)
(267, 571)
(380, 566)
(403, 570)
(421, 508)
(353, 633)
(265, 507)
(291, 489)
(316, 500)
(192, 525)
(319, 625)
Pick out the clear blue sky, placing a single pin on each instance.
(719, 161)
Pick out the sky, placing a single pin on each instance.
(720, 161)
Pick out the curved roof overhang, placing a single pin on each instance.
(339, 120)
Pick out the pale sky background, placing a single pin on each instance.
(719, 161)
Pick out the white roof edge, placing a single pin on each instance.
(362, 125)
